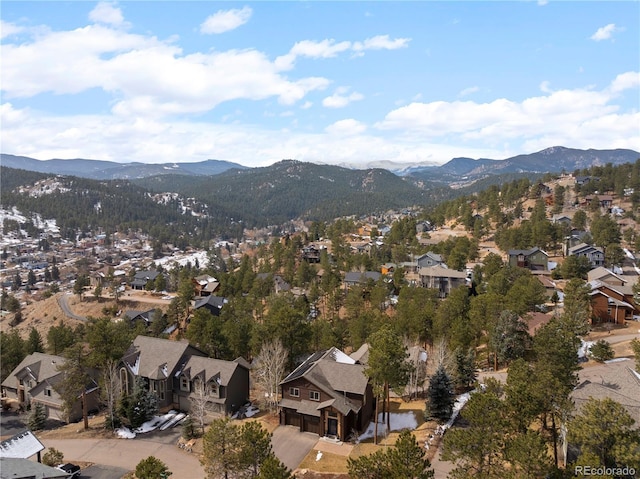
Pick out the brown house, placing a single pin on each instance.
(608, 305)
(328, 394)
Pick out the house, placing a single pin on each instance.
(143, 278)
(617, 381)
(604, 201)
(606, 276)
(429, 259)
(16, 468)
(533, 259)
(21, 446)
(388, 268)
(611, 303)
(354, 278)
(594, 254)
(205, 285)
(175, 370)
(146, 317)
(279, 284)
(311, 254)
(328, 394)
(34, 380)
(213, 303)
(535, 320)
(561, 219)
(444, 280)
(582, 180)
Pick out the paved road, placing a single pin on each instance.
(291, 446)
(64, 304)
(127, 453)
(103, 472)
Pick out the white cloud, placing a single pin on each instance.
(381, 42)
(7, 29)
(329, 48)
(605, 33)
(146, 76)
(306, 105)
(348, 127)
(107, 13)
(545, 87)
(562, 117)
(469, 91)
(542, 3)
(226, 20)
(340, 99)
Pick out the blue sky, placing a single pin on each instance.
(358, 83)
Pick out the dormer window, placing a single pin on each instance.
(212, 388)
(184, 384)
(314, 395)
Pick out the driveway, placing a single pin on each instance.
(291, 446)
(126, 454)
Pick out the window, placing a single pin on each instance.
(47, 392)
(212, 388)
(124, 380)
(314, 395)
(294, 392)
(184, 383)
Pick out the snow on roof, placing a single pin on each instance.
(21, 446)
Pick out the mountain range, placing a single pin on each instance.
(554, 159)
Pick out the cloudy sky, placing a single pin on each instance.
(328, 82)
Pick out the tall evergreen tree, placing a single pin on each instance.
(440, 396)
(34, 342)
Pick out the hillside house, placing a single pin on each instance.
(145, 317)
(213, 304)
(429, 259)
(174, 371)
(35, 379)
(611, 303)
(144, 278)
(534, 259)
(442, 279)
(205, 285)
(594, 254)
(328, 394)
(354, 278)
(606, 276)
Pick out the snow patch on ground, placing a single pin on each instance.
(616, 360)
(398, 421)
(318, 456)
(125, 433)
(583, 351)
(183, 259)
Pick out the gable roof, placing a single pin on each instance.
(618, 382)
(23, 445)
(336, 374)
(358, 277)
(213, 301)
(210, 369)
(441, 272)
(584, 248)
(13, 467)
(526, 252)
(600, 273)
(39, 366)
(154, 358)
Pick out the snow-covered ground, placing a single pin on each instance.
(583, 351)
(151, 425)
(183, 259)
(398, 421)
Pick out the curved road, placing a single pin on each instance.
(127, 453)
(64, 304)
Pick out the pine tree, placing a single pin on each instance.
(440, 396)
(152, 468)
(38, 417)
(34, 343)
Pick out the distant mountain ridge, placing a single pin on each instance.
(554, 159)
(111, 170)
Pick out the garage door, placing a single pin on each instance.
(311, 424)
(291, 418)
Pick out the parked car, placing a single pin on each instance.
(72, 469)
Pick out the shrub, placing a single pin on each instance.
(52, 457)
(601, 351)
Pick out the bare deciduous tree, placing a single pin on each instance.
(271, 364)
(198, 400)
(111, 390)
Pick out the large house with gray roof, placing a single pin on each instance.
(175, 370)
(328, 394)
(35, 380)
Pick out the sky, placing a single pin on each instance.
(357, 83)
